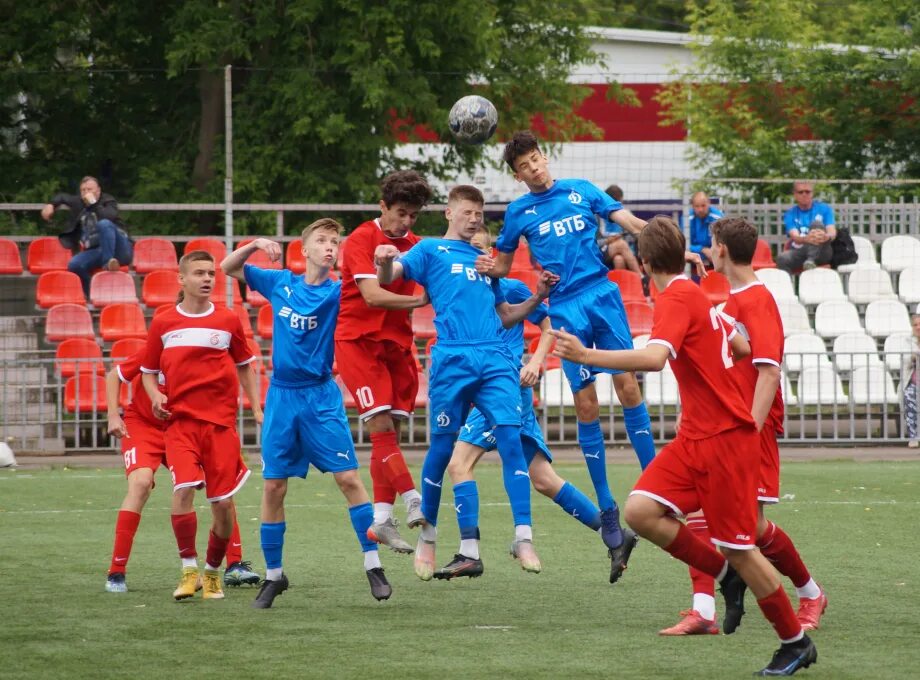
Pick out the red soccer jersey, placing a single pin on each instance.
(129, 371)
(356, 318)
(698, 340)
(198, 355)
(754, 313)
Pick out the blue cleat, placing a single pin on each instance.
(115, 583)
(611, 532)
(239, 573)
(790, 657)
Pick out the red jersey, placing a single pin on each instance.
(129, 371)
(356, 318)
(198, 355)
(697, 338)
(754, 313)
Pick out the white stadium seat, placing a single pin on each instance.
(778, 282)
(909, 285)
(661, 388)
(866, 252)
(898, 347)
(900, 252)
(869, 285)
(555, 390)
(789, 398)
(804, 349)
(793, 315)
(836, 317)
(820, 386)
(855, 350)
(884, 317)
(872, 385)
(606, 395)
(820, 285)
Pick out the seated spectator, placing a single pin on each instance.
(703, 215)
(910, 384)
(810, 228)
(617, 248)
(96, 227)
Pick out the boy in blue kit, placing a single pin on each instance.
(470, 363)
(559, 220)
(305, 420)
(476, 438)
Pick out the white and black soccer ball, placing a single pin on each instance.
(473, 119)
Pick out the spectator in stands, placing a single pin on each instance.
(810, 228)
(617, 248)
(96, 227)
(910, 379)
(702, 216)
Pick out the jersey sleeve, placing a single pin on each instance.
(239, 348)
(765, 331)
(510, 235)
(669, 324)
(601, 202)
(154, 348)
(827, 213)
(131, 367)
(358, 257)
(263, 280)
(413, 264)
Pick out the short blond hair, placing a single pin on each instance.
(322, 224)
(194, 256)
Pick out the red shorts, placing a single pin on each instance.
(200, 453)
(380, 374)
(768, 486)
(144, 447)
(717, 475)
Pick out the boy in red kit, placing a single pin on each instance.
(713, 463)
(143, 447)
(202, 354)
(754, 313)
(373, 347)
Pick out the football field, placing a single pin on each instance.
(854, 523)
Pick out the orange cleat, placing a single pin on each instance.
(692, 624)
(810, 611)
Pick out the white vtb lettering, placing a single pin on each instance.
(568, 225)
(304, 323)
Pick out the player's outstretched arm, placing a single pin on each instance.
(530, 372)
(569, 347)
(248, 382)
(232, 265)
(496, 267)
(388, 269)
(116, 426)
(376, 296)
(627, 220)
(512, 315)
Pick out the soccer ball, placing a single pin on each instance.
(473, 119)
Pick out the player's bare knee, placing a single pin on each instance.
(275, 490)
(587, 409)
(349, 482)
(380, 422)
(462, 462)
(640, 512)
(544, 479)
(627, 389)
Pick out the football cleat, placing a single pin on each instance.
(790, 657)
(523, 551)
(611, 532)
(732, 588)
(692, 623)
(380, 587)
(269, 591)
(115, 583)
(619, 557)
(414, 516)
(212, 587)
(424, 559)
(385, 533)
(189, 583)
(810, 611)
(461, 565)
(239, 573)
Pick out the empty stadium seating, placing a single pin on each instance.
(160, 288)
(606, 394)
(10, 262)
(68, 320)
(125, 348)
(219, 293)
(909, 285)
(867, 285)
(58, 287)
(217, 248)
(872, 385)
(630, 284)
(423, 322)
(639, 315)
(778, 282)
(85, 393)
(555, 390)
(854, 350)
(294, 257)
(120, 321)
(716, 287)
(804, 349)
(78, 355)
(763, 256)
(254, 298)
(264, 322)
(661, 387)
(884, 317)
(154, 254)
(259, 258)
(898, 349)
(528, 277)
(865, 252)
(244, 320)
(900, 252)
(108, 288)
(820, 285)
(793, 315)
(46, 254)
(820, 386)
(836, 317)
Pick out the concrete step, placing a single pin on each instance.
(33, 356)
(17, 431)
(10, 374)
(18, 341)
(29, 412)
(19, 324)
(30, 393)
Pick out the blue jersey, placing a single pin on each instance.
(464, 300)
(802, 220)
(303, 326)
(516, 292)
(560, 225)
(699, 229)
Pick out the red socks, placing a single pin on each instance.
(777, 547)
(125, 529)
(235, 546)
(703, 583)
(690, 550)
(217, 548)
(389, 472)
(778, 611)
(185, 527)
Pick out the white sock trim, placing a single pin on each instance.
(371, 560)
(189, 562)
(523, 532)
(382, 512)
(469, 547)
(429, 532)
(273, 574)
(705, 606)
(809, 591)
(794, 639)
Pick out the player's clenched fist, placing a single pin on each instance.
(269, 247)
(385, 253)
(546, 281)
(569, 347)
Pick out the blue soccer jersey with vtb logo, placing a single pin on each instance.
(515, 293)
(463, 300)
(560, 226)
(303, 327)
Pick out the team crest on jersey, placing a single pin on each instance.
(584, 373)
(214, 339)
(575, 197)
(443, 419)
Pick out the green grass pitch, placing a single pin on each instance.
(854, 523)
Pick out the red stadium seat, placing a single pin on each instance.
(85, 394)
(528, 277)
(121, 321)
(716, 287)
(264, 322)
(110, 288)
(160, 288)
(59, 287)
(219, 293)
(244, 319)
(68, 321)
(630, 284)
(46, 254)
(210, 245)
(124, 349)
(639, 315)
(296, 262)
(531, 331)
(259, 258)
(155, 254)
(763, 256)
(550, 361)
(163, 308)
(522, 261)
(10, 262)
(254, 298)
(423, 322)
(71, 353)
(262, 382)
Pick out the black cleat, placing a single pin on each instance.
(269, 591)
(461, 565)
(619, 557)
(732, 589)
(790, 657)
(380, 587)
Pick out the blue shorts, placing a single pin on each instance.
(478, 432)
(462, 374)
(305, 425)
(597, 316)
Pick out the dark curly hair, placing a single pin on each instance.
(405, 186)
(521, 143)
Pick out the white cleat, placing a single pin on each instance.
(424, 559)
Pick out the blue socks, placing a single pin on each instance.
(591, 440)
(362, 516)
(514, 471)
(639, 429)
(466, 503)
(433, 469)
(272, 537)
(578, 506)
